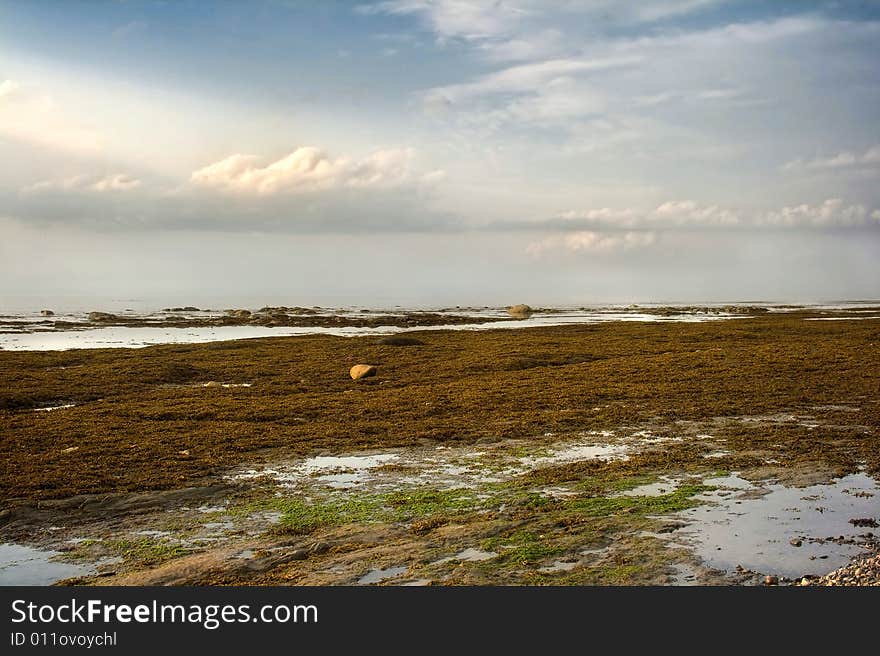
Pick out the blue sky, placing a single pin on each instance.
(564, 150)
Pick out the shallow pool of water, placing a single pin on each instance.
(21, 565)
(774, 529)
(379, 575)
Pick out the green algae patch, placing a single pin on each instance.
(521, 548)
(299, 515)
(418, 503)
(680, 499)
(145, 551)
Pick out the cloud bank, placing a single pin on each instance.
(308, 169)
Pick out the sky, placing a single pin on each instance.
(440, 152)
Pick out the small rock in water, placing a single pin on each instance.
(362, 371)
(771, 580)
(47, 313)
(795, 542)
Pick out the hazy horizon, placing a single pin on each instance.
(440, 152)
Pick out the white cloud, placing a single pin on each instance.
(458, 19)
(671, 214)
(608, 230)
(653, 11)
(588, 241)
(604, 215)
(688, 212)
(566, 76)
(29, 114)
(84, 183)
(526, 78)
(526, 47)
(118, 182)
(307, 169)
(842, 160)
(8, 89)
(832, 213)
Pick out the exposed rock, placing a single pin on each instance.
(400, 340)
(771, 580)
(239, 314)
(102, 316)
(362, 371)
(188, 308)
(861, 522)
(212, 383)
(282, 309)
(47, 313)
(521, 311)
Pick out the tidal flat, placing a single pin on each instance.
(618, 453)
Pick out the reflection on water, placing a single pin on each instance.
(20, 565)
(781, 530)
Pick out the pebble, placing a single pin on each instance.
(864, 572)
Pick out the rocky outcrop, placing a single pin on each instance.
(47, 313)
(281, 309)
(239, 314)
(102, 317)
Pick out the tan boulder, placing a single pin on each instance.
(362, 371)
(521, 311)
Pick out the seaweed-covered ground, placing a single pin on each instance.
(584, 454)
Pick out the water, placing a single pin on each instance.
(559, 566)
(754, 526)
(340, 472)
(577, 453)
(447, 468)
(663, 486)
(379, 575)
(39, 334)
(21, 565)
(470, 555)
